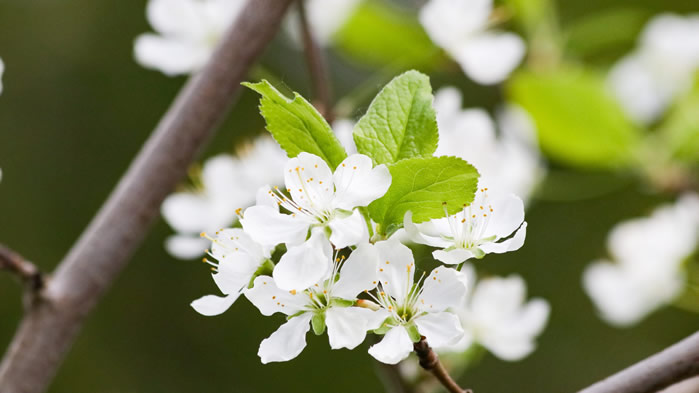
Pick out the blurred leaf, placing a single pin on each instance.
(610, 29)
(380, 34)
(578, 122)
(400, 123)
(681, 129)
(424, 186)
(529, 13)
(297, 126)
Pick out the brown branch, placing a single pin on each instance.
(317, 66)
(27, 272)
(672, 365)
(51, 325)
(430, 362)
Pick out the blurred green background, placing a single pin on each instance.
(76, 108)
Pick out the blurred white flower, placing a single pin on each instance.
(238, 258)
(647, 81)
(648, 272)
(496, 316)
(510, 163)
(188, 31)
(327, 303)
(475, 230)
(420, 307)
(227, 184)
(343, 131)
(325, 18)
(461, 28)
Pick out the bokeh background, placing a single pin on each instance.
(76, 108)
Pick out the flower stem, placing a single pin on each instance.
(430, 362)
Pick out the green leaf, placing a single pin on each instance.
(400, 123)
(578, 122)
(380, 34)
(297, 126)
(586, 38)
(681, 129)
(425, 186)
(318, 323)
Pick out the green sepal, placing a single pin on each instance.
(336, 302)
(387, 325)
(318, 323)
(413, 332)
(265, 269)
(289, 317)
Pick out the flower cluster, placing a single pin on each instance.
(334, 276)
(649, 254)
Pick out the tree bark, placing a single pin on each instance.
(52, 323)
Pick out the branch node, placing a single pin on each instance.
(32, 278)
(430, 362)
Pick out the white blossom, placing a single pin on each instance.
(496, 315)
(474, 231)
(344, 129)
(325, 18)
(662, 67)
(461, 28)
(329, 300)
(187, 33)
(227, 184)
(419, 306)
(319, 199)
(510, 162)
(239, 258)
(648, 272)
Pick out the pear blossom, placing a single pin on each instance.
(410, 307)
(226, 185)
(510, 163)
(239, 258)
(475, 230)
(662, 67)
(328, 303)
(649, 254)
(325, 18)
(461, 28)
(494, 314)
(319, 199)
(188, 31)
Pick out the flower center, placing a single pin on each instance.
(469, 225)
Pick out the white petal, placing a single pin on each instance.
(347, 326)
(185, 247)
(512, 244)
(496, 299)
(394, 347)
(211, 305)
(440, 329)
(287, 342)
(221, 177)
(235, 272)
(359, 273)
(396, 268)
(426, 233)
(170, 55)
(451, 21)
(357, 183)
(187, 213)
(305, 264)
(452, 257)
(507, 215)
(489, 57)
(269, 299)
(343, 131)
(442, 289)
(263, 197)
(309, 181)
(176, 17)
(638, 89)
(348, 231)
(269, 227)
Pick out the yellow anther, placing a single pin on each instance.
(354, 167)
(293, 292)
(203, 234)
(380, 270)
(274, 297)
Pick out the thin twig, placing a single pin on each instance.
(672, 365)
(317, 66)
(430, 362)
(51, 325)
(27, 272)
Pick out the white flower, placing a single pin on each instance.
(475, 230)
(496, 316)
(649, 254)
(419, 307)
(647, 81)
(510, 163)
(329, 300)
(188, 31)
(239, 258)
(325, 17)
(320, 198)
(344, 129)
(460, 27)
